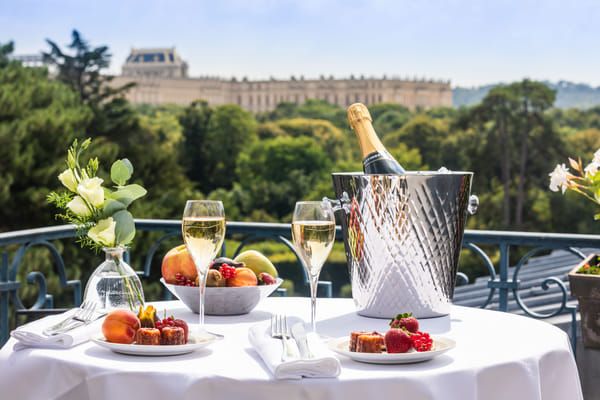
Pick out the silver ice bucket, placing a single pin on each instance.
(403, 235)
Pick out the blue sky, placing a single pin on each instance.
(467, 42)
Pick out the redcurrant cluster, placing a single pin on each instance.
(183, 281)
(227, 271)
(421, 341)
(169, 321)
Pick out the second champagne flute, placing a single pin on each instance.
(203, 229)
(313, 233)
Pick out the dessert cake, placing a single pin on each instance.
(370, 343)
(173, 335)
(147, 336)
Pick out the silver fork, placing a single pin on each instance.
(280, 330)
(84, 315)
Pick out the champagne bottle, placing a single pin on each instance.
(376, 159)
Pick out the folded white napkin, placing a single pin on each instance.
(323, 365)
(31, 334)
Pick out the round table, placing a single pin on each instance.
(497, 356)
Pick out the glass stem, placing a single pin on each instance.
(314, 284)
(202, 284)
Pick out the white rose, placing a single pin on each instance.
(559, 178)
(592, 168)
(104, 232)
(67, 178)
(92, 191)
(78, 207)
(596, 157)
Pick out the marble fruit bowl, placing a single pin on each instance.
(222, 300)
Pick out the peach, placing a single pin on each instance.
(120, 326)
(243, 277)
(178, 260)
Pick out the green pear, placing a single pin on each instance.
(257, 262)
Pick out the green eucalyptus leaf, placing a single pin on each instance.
(125, 227)
(121, 171)
(111, 207)
(127, 194)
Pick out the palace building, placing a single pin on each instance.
(161, 77)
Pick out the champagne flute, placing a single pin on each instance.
(203, 229)
(313, 233)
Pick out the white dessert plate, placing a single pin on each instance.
(440, 346)
(194, 343)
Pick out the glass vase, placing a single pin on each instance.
(114, 284)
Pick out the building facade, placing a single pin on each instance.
(161, 78)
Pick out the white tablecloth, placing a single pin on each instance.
(497, 356)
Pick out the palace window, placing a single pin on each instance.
(239, 100)
(250, 100)
(154, 57)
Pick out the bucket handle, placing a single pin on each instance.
(343, 204)
(473, 204)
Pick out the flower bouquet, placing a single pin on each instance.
(585, 181)
(584, 279)
(103, 223)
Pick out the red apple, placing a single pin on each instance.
(178, 260)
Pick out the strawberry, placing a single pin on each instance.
(266, 278)
(421, 341)
(406, 321)
(397, 341)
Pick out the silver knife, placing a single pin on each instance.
(299, 335)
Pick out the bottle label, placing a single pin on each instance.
(378, 163)
(374, 157)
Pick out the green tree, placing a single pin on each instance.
(278, 172)
(310, 109)
(230, 130)
(518, 134)
(39, 118)
(534, 99)
(335, 142)
(82, 70)
(194, 123)
(5, 50)
(425, 134)
(321, 109)
(388, 117)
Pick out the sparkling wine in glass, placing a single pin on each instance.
(313, 233)
(203, 229)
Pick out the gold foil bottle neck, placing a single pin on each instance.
(358, 112)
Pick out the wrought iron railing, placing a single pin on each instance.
(14, 246)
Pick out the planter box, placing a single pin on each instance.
(586, 288)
